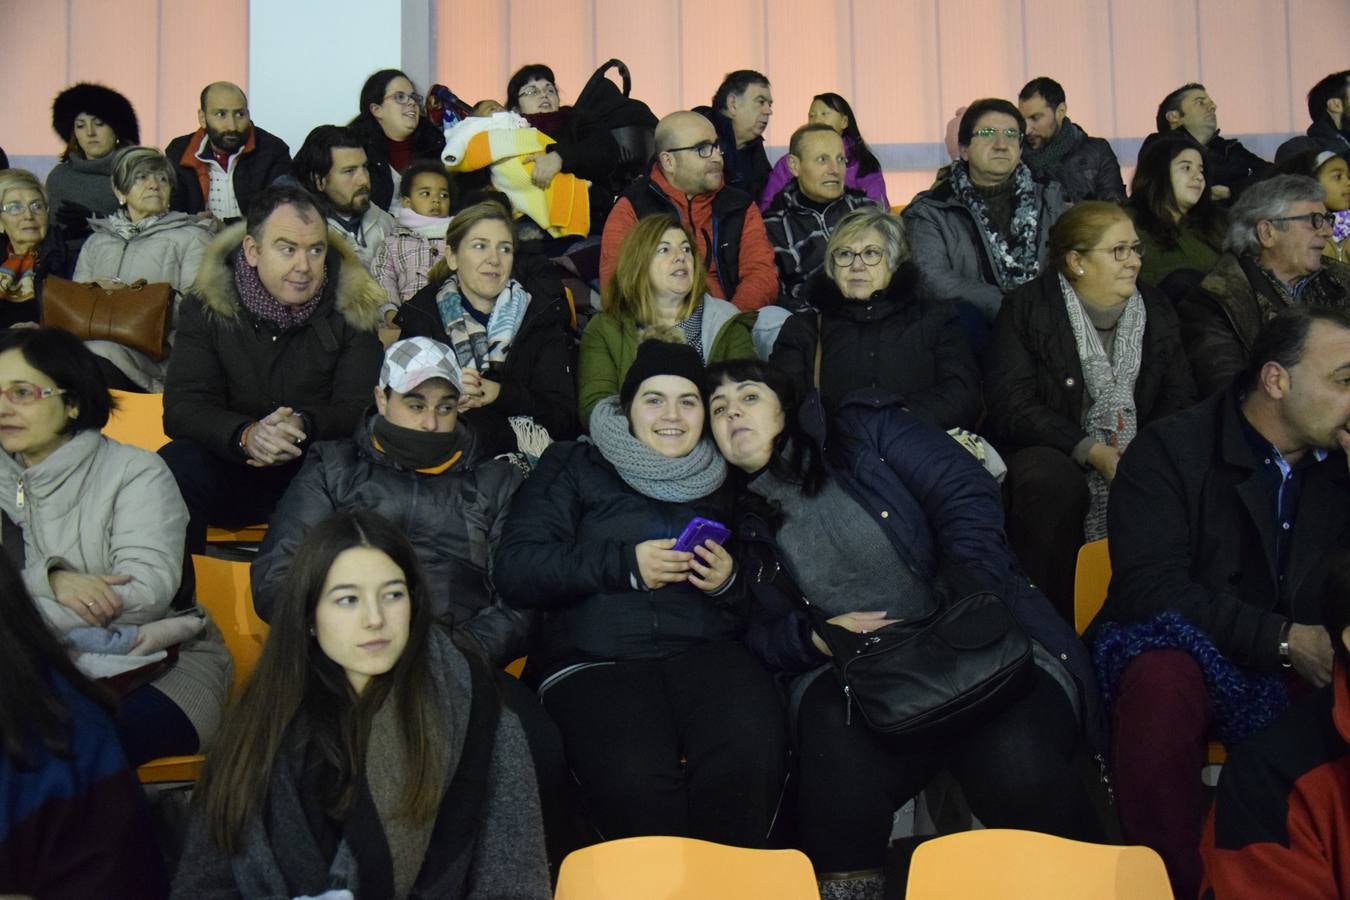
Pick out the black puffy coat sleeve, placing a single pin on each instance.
(540, 562)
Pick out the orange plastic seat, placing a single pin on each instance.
(676, 868)
(138, 420)
(223, 588)
(1026, 865)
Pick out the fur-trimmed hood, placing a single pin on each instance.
(356, 295)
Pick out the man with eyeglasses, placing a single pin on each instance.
(686, 180)
(740, 112)
(805, 212)
(223, 165)
(1273, 262)
(332, 164)
(1191, 114)
(983, 229)
(1060, 150)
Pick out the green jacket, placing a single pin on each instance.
(609, 346)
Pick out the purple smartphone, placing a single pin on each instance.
(699, 530)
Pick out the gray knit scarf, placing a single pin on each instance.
(690, 477)
(1111, 416)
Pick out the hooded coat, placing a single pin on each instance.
(230, 368)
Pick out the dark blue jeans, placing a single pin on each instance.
(150, 725)
(223, 492)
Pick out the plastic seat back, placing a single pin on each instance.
(138, 420)
(1090, 580)
(1026, 865)
(675, 868)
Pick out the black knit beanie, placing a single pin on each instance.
(658, 357)
(95, 100)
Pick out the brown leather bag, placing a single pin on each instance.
(136, 316)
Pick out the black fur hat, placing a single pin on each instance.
(95, 100)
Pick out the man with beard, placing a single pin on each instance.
(686, 181)
(332, 165)
(1059, 150)
(222, 165)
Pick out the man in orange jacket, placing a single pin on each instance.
(686, 180)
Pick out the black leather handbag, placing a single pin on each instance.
(917, 680)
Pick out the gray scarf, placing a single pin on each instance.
(1111, 416)
(690, 477)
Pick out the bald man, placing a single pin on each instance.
(686, 181)
(227, 160)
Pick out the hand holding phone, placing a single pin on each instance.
(699, 530)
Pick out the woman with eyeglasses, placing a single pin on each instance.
(98, 528)
(1180, 227)
(876, 327)
(31, 247)
(863, 172)
(393, 131)
(659, 287)
(1082, 358)
(143, 241)
(581, 145)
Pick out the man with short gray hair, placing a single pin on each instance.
(1273, 262)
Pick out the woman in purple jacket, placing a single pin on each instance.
(863, 172)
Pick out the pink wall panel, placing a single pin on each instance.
(189, 62)
(34, 57)
(558, 33)
(642, 35)
(1245, 65)
(893, 70)
(472, 47)
(719, 37)
(1065, 41)
(809, 52)
(132, 28)
(1150, 59)
(974, 61)
(1322, 30)
(904, 64)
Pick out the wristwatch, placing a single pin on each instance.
(1284, 646)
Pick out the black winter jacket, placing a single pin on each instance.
(747, 168)
(454, 521)
(941, 511)
(901, 340)
(1227, 162)
(1193, 531)
(569, 549)
(538, 378)
(269, 160)
(1221, 316)
(229, 369)
(1036, 395)
(1089, 170)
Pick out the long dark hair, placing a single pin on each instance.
(867, 160)
(34, 713)
(1153, 202)
(796, 458)
(427, 139)
(295, 677)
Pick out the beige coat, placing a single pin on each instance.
(99, 507)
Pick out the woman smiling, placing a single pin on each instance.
(508, 331)
(638, 657)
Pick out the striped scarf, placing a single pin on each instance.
(477, 347)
